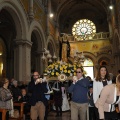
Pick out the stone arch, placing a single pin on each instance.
(18, 30)
(91, 56)
(38, 30)
(37, 37)
(105, 60)
(105, 57)
(51, 45)
(16, 11)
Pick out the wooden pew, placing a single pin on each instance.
(21, 105)
(3, 111)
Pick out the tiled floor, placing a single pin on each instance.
(65, 116)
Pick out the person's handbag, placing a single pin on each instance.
(15, 114)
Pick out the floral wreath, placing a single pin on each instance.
(62, 77)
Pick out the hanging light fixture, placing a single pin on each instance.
(48, 57)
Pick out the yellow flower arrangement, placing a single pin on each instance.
(57, 68)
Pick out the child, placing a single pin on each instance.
(91, 104)
(24, 98)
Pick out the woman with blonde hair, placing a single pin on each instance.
(5, 97)
(109, 97)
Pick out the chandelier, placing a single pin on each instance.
(79, 58)
(48, 57)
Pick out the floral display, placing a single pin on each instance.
(59, 67)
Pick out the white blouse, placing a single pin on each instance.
(97, 87)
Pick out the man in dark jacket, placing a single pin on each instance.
(37, 88)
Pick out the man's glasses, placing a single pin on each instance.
(78, 72)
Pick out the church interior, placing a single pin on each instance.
(83, 31)
(27, 27)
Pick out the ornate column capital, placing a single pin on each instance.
(23, 42)
(39, 53)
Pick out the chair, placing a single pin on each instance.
(21, 105)
(3, 111)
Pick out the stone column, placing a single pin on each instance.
(31, 14)
(118, 62)
(40, 64)
(48, 10)
(110, 26)
(22, 60)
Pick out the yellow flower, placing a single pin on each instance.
(69, 71)
(65, 71)
(75, 68)
(74, 73)
(65, 67)
(57, 73)
(52, 73)
(61, 68)
(69, 65)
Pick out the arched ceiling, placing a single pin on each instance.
(69, 11)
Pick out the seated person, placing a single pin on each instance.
(15, 91)
(24, 98)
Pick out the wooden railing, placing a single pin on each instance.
(98, 36)
(21, 105)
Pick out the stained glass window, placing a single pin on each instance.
(84, 29)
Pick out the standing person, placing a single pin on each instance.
(101, 80)
(65, 103)
(91, 104)
(37, 99)
(47, 95)
(79, 90)
(57, 96)
(109, 97)
(5, 98)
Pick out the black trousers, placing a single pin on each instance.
(92, 113)
(96, 113)
(108, 115)
(58, 110)
(111, 115)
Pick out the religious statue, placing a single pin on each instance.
(64, 49)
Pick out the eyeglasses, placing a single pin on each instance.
(35, 75)
(78, 72)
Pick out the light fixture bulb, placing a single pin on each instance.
(0, 53)
(51, 15)
(110, 7)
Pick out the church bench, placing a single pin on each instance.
(3, 111)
